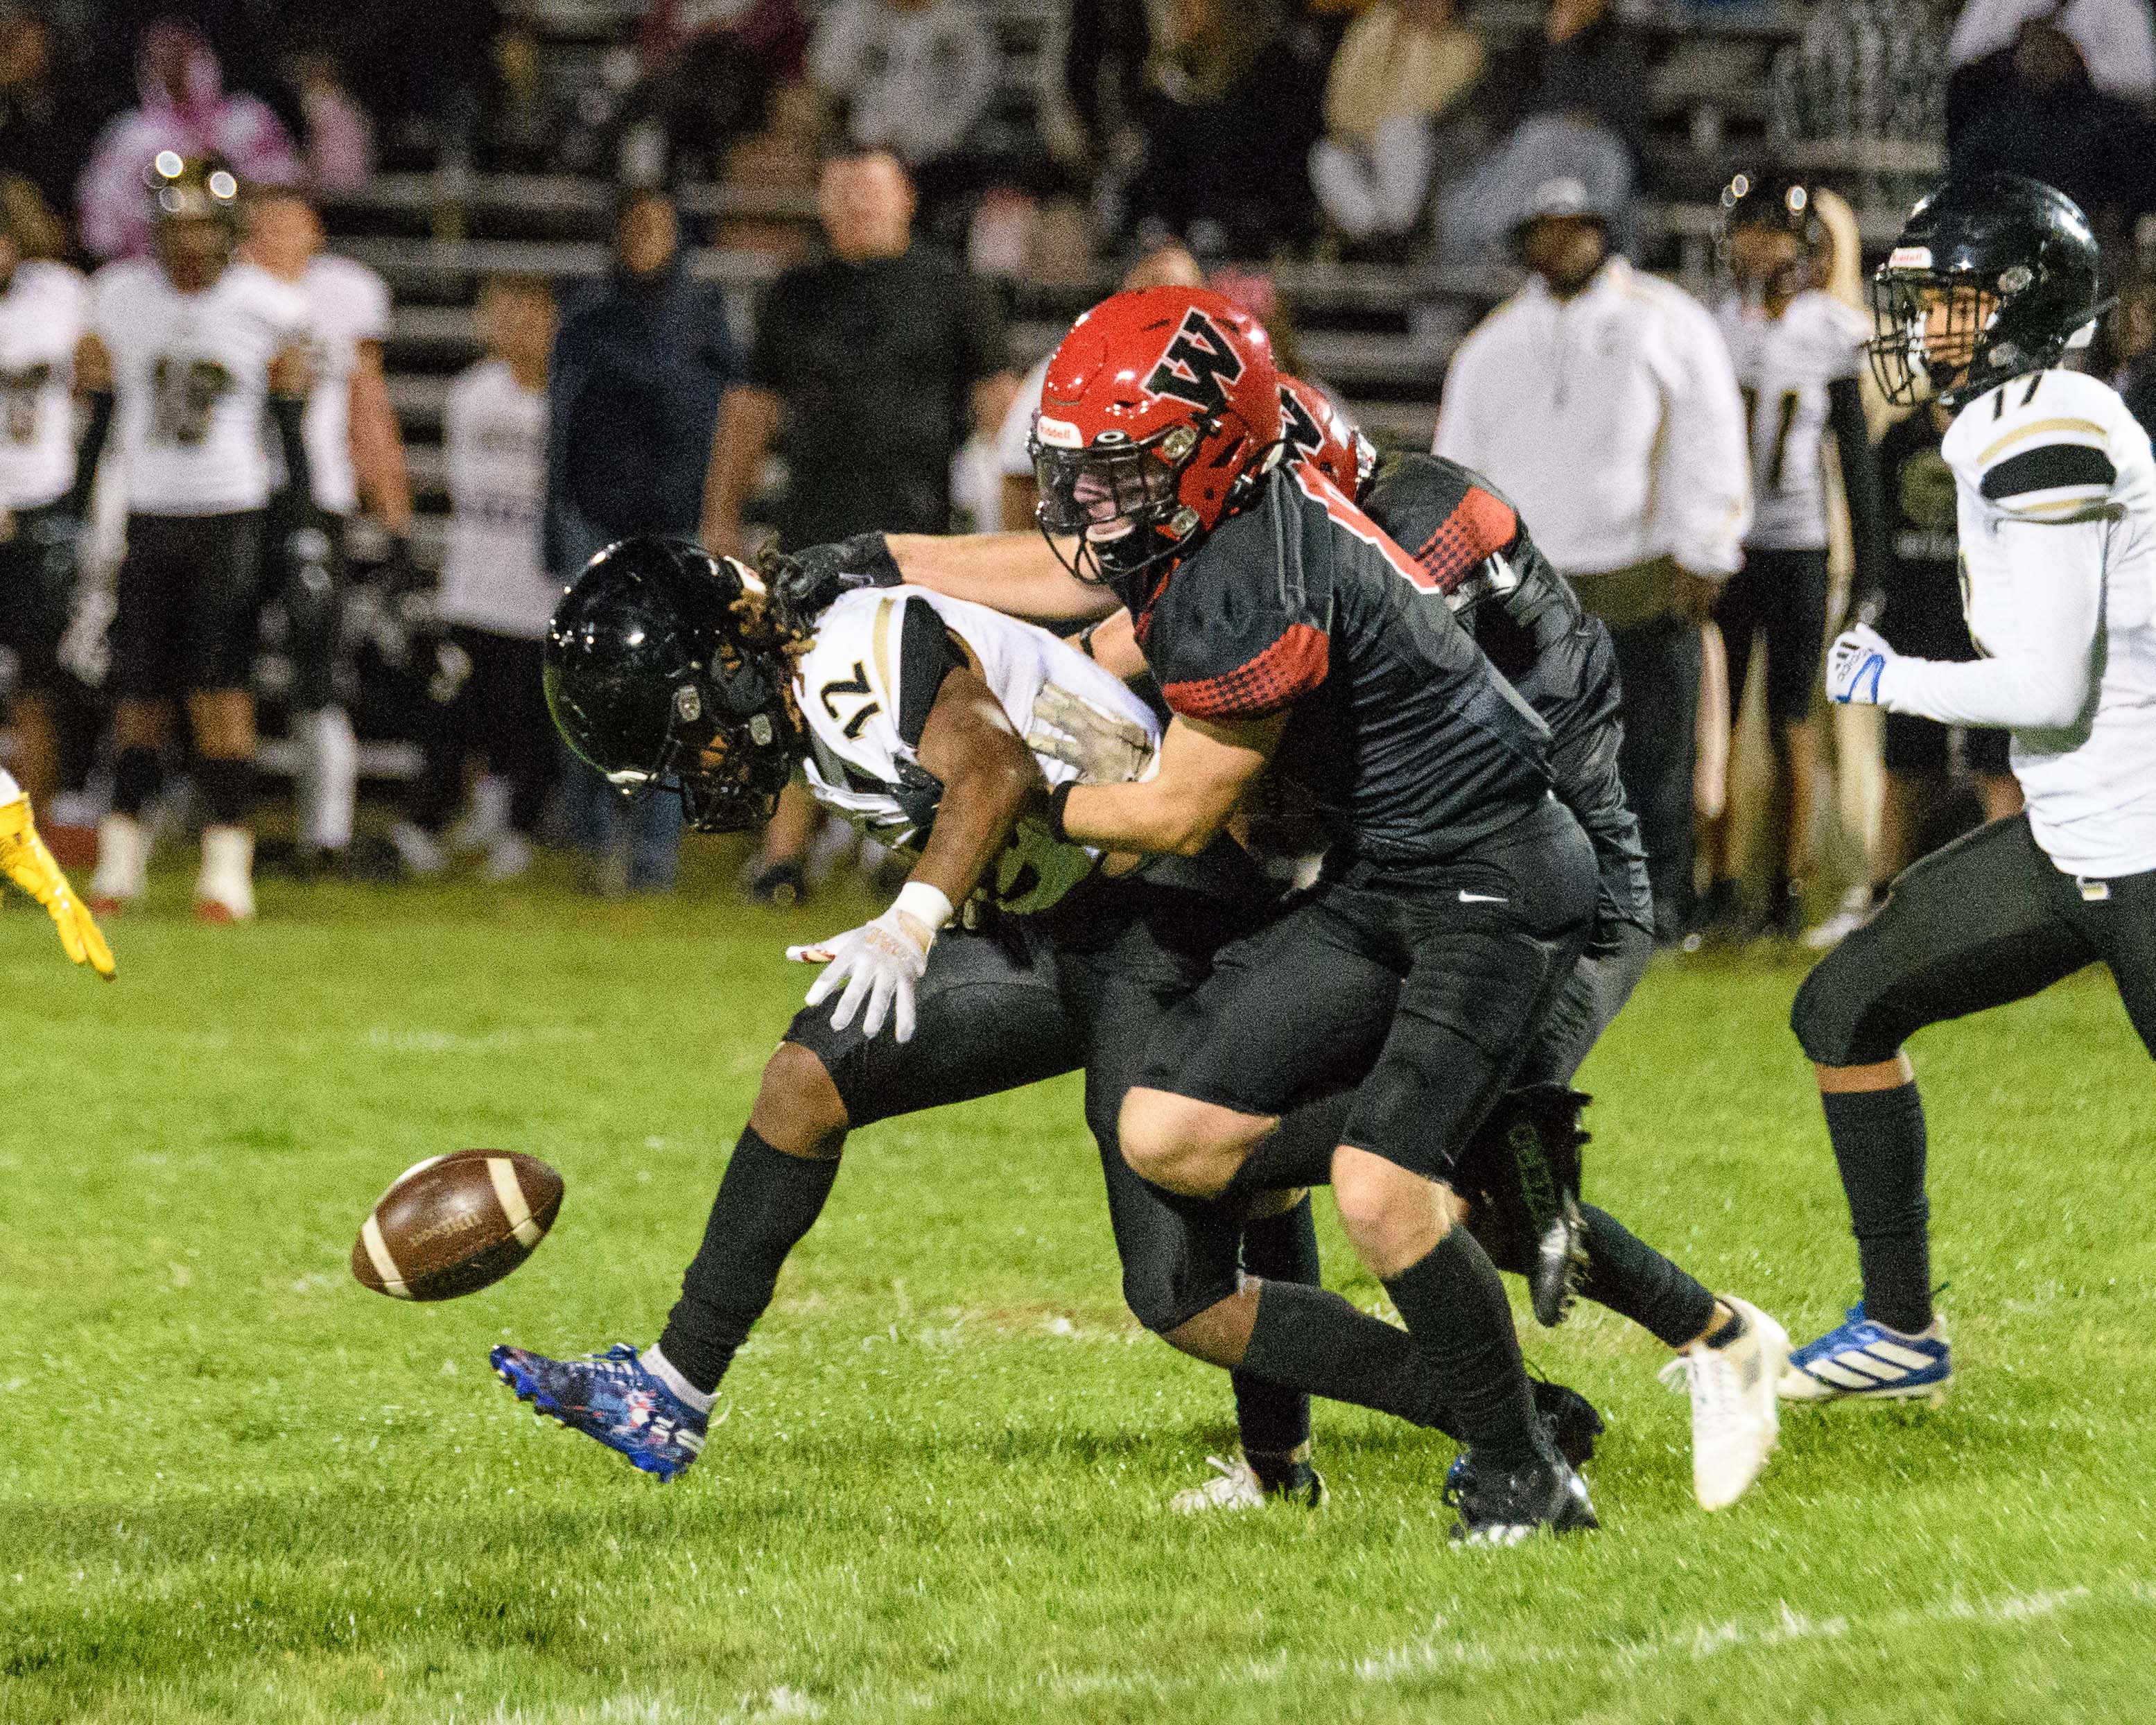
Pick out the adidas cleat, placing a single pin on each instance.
(1235, 1485)
(1505, 1506)
(1735, 1422)
(1860, 1360)
(610, 1396)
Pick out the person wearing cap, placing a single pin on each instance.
(1603, 402)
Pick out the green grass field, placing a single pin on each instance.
(233, 1485)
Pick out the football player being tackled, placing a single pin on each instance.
(942, 727)
(25, 860)
(1994, 280)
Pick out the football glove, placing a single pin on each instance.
(1105, 748)
(807, 582)
(27, 862)
(880, 962)
(1854, 664)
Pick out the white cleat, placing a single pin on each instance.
(224, 889)
(123, 865)
(484, 821)
(1854, 911)
(1235, 1485)
(1736, 1420)
(417, 850)
(509, 858)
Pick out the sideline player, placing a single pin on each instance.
(1797, 350)
(44, 308)
(188, 349)
(24, 859)
(1993, 281)
(355, 455)
(935, 722)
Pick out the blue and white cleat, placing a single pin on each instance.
(1860, 1360)
(610, 1396)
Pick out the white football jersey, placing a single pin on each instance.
(1784, 365)
(494, 434)
(347, 304)
(190, 376)
(2060, 447)
(853, 689)
(43, 315)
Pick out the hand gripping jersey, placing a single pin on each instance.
(1784, 365)
(2055, 495)
(190, 375)
(865, 687)
(1403, 736)
(347, 304)
(1476, 550)
(41, 317)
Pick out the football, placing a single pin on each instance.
(454, 1224)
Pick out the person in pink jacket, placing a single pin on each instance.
(184, 109)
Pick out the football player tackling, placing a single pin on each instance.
(1994, 280)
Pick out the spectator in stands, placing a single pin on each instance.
(2042, 116)
(1603, 403)
(1227, 140)
(1866, 70)
(1585, 124)
(869, 368)
(336, 136)
(2115, 39)
(1167, 265)
(184, 109)
(637, 376)
(518, 126)
(705, 71)
(915, 77)
(48, 115)
(1403, 66)
(1107, 44)
(496, 593)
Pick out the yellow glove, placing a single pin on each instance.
(30, 866)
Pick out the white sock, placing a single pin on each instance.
(329, 781)
(655, 1362)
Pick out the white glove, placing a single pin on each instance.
(880, 962)
(1854, 664)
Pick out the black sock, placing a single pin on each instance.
(1317, 1341)
(137, 776)
(1273, 1420)
(1879, 1146)
(227, 791)
(767, 1201)
(1455, 1308)
(1634, 1280)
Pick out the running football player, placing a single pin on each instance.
(940, 724)
(355, 453)
(1993, 281)
(24, 859)
(1798, 351)
(187, 351)
(42, 311)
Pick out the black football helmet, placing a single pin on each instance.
(2015, 265)
(653, 676)
(1783, 204)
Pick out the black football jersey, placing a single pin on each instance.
(1473, 547)
(1408, 742)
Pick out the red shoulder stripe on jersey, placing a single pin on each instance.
(1479, 525)
(1284, 673)
(1322, 491)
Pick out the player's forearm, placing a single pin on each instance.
(748, 419)
(1860, 485)
(2018, 692)
(89, 451)
(974, 821)
(288, 413)
(1147, 818)
(377, 452)
(1018, 574)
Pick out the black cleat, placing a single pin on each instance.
(1504, 1506)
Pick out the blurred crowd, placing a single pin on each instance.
(877, 374)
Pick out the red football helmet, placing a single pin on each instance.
(1160, 412)
(1320, 435)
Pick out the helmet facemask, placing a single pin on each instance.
(1122, 501)
(1935, 335)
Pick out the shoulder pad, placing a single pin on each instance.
(2039, 448)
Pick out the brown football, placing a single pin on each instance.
(453, 1225)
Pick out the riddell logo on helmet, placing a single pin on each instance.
(1196, 364)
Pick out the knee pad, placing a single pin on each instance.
(1838, 1015)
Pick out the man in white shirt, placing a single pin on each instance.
(1993, 282)
(43, 310)
(355, 455)
(194, 347)
(496, 593)
(1602, 402)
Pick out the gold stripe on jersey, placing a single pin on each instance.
(2089, 504)
(2035, 428)
(880, 644)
